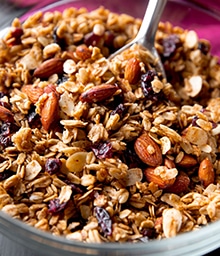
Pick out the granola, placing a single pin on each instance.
(107, 150)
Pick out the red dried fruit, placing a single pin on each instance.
(104, 220)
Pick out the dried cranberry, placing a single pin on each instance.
(5, 104)
(102, 150)
(104, 220)
(170, 44)
(6, 130)
(55, 206)
(195, 118)
(92, 39)
(2, 94)
(52, 165)
(146, 86)
(214, 125)
(6, 174)
(203, 47)
(33, 118)
(60, 41)
(109, 39)
(76, 189)
(130, 157)
(16, 34)
(148, 234)
(5, 141)
(120, 110)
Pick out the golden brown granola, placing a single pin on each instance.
(101, 150)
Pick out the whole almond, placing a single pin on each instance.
(150, 176)
(32, 92)
(6, 115)
(83, 52)
(180, 185)
(148, 150)
(98, 93)
(187, 161)
(206, 172)
(49, 67)
(49, 112)
(133, 71)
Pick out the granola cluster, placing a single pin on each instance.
(107, 150)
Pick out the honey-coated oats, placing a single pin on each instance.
(107, 150)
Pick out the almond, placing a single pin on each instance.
(187, 161)
(150, 176)
(180, 185)
(51, 88)
(206, 172)
(133, 71)
(49, 112)
(32, 92)
(6, 115)
(83, 52)
(98, 93)
(169, 163)
(148, 150)
(49, 67)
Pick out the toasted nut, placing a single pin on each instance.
(151, 176)
(148, 150)
(6, 115)
(49, 67)
(98, 93)
(32, 92)
(206, 172)
(169, 163)
(51, 88)
(76, 162)
(133, 71)
(83, 52)
(187, 161)
(180, 185)
(49, 112)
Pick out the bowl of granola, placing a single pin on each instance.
(105, 156)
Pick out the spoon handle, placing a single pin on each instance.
(146, 34)
(147, 31)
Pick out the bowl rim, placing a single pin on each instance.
(40, 238)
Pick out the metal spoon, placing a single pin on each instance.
(147, 32)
